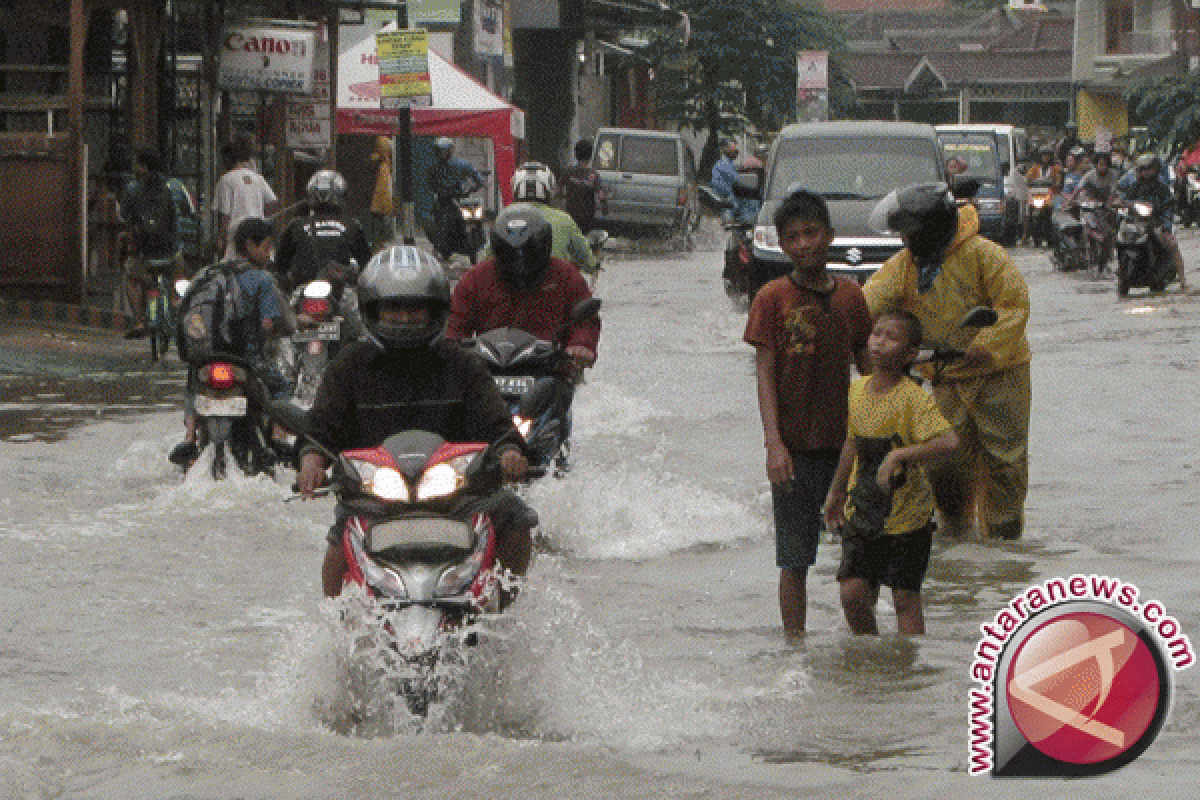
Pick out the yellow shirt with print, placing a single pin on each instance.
(906, 413)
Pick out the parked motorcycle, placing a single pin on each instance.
(1097, 235)
(1068, 254)
(533, 377)
(1140, 260)
(420, 541)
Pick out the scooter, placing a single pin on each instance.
(460, 223)
(1140, 260)
(532, 378)
(939, 355)
(420, 541)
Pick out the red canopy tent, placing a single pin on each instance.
(461, 107)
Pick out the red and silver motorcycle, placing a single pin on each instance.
(420, 543)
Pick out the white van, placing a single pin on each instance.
(1012, 143)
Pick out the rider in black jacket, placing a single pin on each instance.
(404, 376)
(326, 234)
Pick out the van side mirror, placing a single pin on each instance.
(747, 185)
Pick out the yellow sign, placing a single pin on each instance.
(404, 68)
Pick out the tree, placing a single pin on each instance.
(738, 68)
(1169, 107)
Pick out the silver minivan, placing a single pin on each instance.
(649, 178)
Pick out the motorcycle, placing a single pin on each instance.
(323, 325)
(1097, 235)
(1189, 211)
(739, 254)
(460, 223)
(1068, 253)
(230, 419)
(532, 378)
(420, 541)
(1039, 208)
(1140, 260)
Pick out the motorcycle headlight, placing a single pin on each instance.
(1038, 201)
(524, 426)
(1193, 181)
(478, 212)
(1143, 209)
(445, 479)
(766, 237)
(383, 482)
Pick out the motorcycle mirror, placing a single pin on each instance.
(585, 309)
(980, 317)
(318, 290)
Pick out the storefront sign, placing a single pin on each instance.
(267, 58)
(489, 29)
(404, 68)
(434, 12)
(309, 115)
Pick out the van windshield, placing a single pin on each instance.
(977, 152)
(852, 167)
(648, 155)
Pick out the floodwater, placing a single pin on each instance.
(164, 637)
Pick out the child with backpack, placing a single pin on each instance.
(233, 307)
(886, 519)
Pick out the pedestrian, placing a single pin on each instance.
(886, 517)
(382, 203)
(806, 328)
(149, 212)
(945, 269)
(581, 188)
(241, 193)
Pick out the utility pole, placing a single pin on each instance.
(404, 143)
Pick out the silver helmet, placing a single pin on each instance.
(404, 276)
(326, 188)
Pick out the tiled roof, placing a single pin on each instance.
(892, 70)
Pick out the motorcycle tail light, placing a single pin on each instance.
(1143, 209)
(315, 308)
(219, 375)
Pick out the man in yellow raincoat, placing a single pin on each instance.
(946, 269)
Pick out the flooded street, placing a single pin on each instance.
(165, 637)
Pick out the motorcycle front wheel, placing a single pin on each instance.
(1125, 266)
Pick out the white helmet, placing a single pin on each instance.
(533, 181)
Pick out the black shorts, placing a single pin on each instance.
(898, 561)
(798, 508)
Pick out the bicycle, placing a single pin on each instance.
(160, 317)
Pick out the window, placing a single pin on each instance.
(649, 155)
(1118, 27)
(852, 167)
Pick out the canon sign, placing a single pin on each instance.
(270, 58)
(266, 45)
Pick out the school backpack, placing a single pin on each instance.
(210, 312)
(151, 217)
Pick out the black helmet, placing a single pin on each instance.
(924, 215)
(326, 188)
(521, 242)
(405, 276)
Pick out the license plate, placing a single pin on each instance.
(508, 384)
(231, 406)
(325, 332)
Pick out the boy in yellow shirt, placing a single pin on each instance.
(886, 522)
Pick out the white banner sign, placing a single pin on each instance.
(267, 58)
(309, 115)
(489, 28)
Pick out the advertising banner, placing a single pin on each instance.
(489, 29)
(812, 85)
(434, 12)
(267, 58)
(404, 68)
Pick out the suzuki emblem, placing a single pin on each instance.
(854, 256)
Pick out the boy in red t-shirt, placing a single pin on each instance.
(807, 328)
